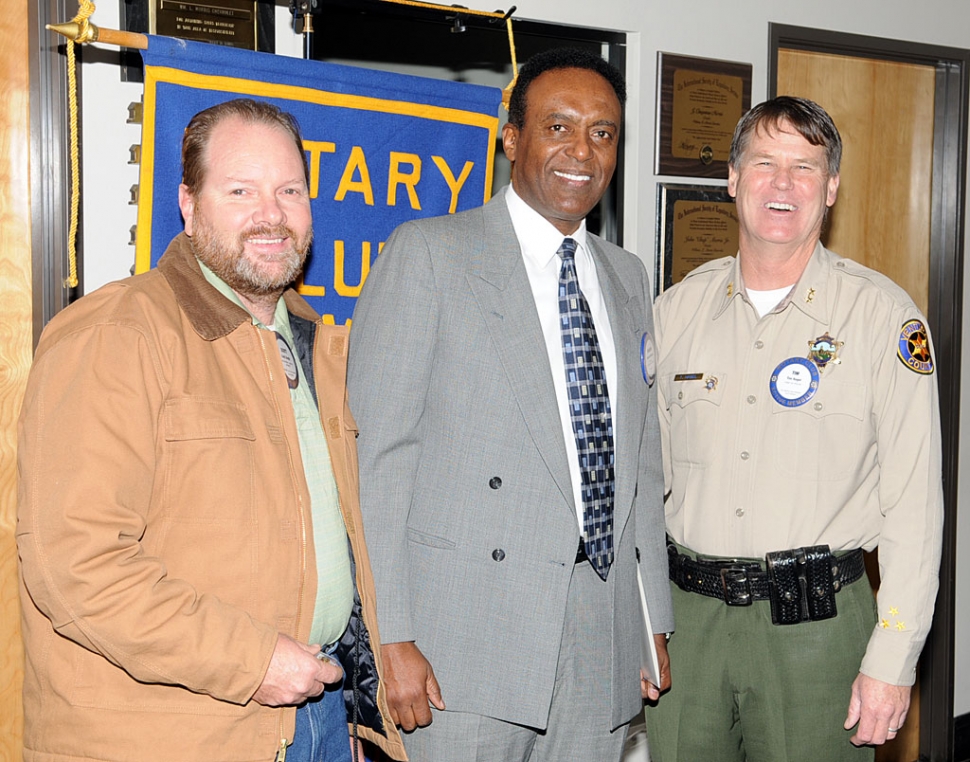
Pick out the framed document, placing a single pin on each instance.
(695, 224)
(699, 103)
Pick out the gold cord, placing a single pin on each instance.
(458, 11)
(84, 12)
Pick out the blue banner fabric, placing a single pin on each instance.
(383, 148)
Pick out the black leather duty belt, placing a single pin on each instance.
(800, 583)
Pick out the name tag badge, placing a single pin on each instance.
(290, 367)
(648, 358)
(794, 382)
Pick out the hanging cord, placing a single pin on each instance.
(84, 12)
(494, 15)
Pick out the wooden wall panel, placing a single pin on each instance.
(885, 113)
(15, 347)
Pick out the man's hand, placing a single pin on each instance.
(410, 684)
(879, 708)
(295, 674)
(648, 690)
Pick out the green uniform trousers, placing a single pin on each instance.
(747, 690)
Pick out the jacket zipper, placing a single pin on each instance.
(281, 753)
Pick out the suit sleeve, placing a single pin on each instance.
(651, 534)
(390, 370)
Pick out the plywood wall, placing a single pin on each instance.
(15, 347)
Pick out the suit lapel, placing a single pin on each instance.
(497, 278)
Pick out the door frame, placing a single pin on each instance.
(945, 314)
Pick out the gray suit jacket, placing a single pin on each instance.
(465, 489)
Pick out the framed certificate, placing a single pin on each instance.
(699, 103)
(695, 224)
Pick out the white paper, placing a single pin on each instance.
(649, 663)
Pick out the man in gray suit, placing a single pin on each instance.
(502, 377)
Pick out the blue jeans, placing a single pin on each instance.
(321, 729)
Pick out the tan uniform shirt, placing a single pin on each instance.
(764, 450)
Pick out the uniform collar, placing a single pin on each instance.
(812, 294)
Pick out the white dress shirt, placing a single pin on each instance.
(539, 241)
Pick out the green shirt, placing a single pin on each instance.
(335, 591)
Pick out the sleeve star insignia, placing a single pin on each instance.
(894, 611)
(885, 624)
(900, 626)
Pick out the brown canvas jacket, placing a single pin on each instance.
(172, 541)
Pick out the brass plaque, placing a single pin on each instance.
(221, 22)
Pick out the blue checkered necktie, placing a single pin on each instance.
(589, 410)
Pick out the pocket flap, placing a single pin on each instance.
(189, 418)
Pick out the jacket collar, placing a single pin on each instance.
(210, 313)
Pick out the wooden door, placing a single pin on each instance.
(885, 113)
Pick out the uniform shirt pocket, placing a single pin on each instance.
(694, 403)
(821, 439)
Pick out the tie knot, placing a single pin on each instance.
(568, 249)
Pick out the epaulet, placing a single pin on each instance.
(855, 270)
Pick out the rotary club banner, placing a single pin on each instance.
(383, 148)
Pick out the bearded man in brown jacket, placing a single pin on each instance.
(194, 580)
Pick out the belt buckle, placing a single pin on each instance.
(735, 586)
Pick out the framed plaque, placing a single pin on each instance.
(223, 22)
(699, 103)
(695, 224)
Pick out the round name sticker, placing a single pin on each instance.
(289, 362)
(648, 358)
(794, 382)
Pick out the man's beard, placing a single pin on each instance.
(225, 256)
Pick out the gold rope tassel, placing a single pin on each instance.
(84, 12)
(459, 11)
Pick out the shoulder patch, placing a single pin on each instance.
(914, 347)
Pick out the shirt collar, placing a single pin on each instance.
(281, 319)
(538, 238)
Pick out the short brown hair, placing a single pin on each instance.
(807, 118)
(197, 134)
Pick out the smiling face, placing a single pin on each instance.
(250, 218)
(564, 154)
(782, 188)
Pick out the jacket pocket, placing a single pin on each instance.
(418, 537)
(208, 460)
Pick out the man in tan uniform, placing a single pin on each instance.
(800, 425)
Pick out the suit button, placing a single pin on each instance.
(498, 554)
(495, 482)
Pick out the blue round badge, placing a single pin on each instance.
(648, 358)
(794, 382)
